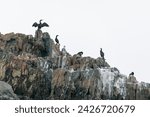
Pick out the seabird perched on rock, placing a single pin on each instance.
(40, 24)
(56, 39)
(80, 53)
(131, 74)
(64, 52)
(102, 53)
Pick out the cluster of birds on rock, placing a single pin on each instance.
(44, 24)
(40, 25)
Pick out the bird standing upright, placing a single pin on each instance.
(56, 39)
(102, 54)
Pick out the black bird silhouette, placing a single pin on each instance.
(101, 53)
(40, 25)
(80, 53)
(56, 39)
(132, 73)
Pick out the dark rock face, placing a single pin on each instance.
(37, 69)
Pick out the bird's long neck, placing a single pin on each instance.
(40, 22)
(39, 25)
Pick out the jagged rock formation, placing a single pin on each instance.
(37, 69)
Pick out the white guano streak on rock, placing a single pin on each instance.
(107, 79)
(113, 79)
(120, 84)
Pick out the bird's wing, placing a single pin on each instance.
(35, 24)
(44, 24)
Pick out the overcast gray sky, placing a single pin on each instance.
(120, 27)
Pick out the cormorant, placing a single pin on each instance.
(132, 73)
(101, 53)
(64, 52)
(40, 25)
(57, 41)
(80, 53)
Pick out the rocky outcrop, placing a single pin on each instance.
(6, 92)
(36, 68)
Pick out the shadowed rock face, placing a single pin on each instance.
(37, 69)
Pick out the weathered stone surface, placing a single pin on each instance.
(36, 68)
(6, 92)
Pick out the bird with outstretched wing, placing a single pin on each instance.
(40, 24)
